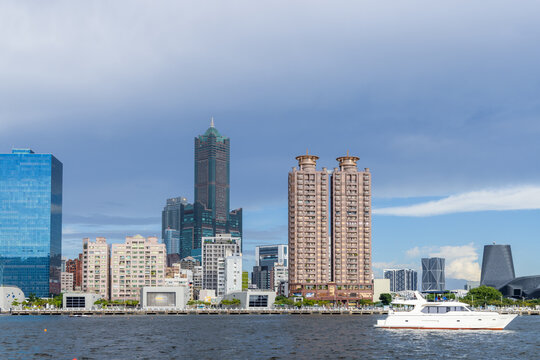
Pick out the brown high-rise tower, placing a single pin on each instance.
(351, 230)
(344, 275)
(309, 255)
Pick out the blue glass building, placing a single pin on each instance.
(30, 222)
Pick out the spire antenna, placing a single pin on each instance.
(212, 121)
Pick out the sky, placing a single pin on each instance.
(440, 100)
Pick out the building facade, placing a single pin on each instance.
(75, 266)
(214, 251)
(172, 241)
(31, 222)
(265, 258)
(433, 278)
(171, 216)
(309, 245)
(232, 275)
(497, 266)
(278, 275)
(67, 281)
(136, 263)
(96, 263)
(336, 265)
(351, 230)
(401, 279)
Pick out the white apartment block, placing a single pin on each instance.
(137, 263)
(96, 267)
(66, 281)
(278, 275)
(214, 251)
(232, 279)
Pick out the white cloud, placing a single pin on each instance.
(515, 198)
(461, 262)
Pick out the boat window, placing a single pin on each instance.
(435, 309)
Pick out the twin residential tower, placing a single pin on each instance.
(330, 231)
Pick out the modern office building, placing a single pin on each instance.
(309, 245)
(265, 259)
(260, 277)
(31, 222)
(433, 278)
(214, 251)
(351, 230)
(336, 266)
(497, 266)
(172, 241)
(401, 279)
(96, 263)
(75, 266)
(171, 216)
(136, 263)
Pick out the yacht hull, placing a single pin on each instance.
(471, 321)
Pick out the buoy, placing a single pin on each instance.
(45, 330)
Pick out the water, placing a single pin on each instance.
(254, 337)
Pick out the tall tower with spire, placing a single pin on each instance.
(212, 172)
(210, 212)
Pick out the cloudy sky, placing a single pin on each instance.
(439, 99)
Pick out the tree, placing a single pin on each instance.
(283, 301)
(385, 298)
(483, 295)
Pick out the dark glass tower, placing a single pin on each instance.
(212, 173)
(31, 222)
(497, 266)
(209, 214)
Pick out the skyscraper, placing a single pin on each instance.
(351, 229)
(209, 214)
(171, 216)
(336, 266)
(401, 279)
(433, 278)
(31, 222)
(212, 173)
(497, 266)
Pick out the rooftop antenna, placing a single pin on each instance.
(212, 121)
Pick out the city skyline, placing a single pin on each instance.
(445, 116)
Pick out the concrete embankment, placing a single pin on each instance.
(125, 312)
(109, 312)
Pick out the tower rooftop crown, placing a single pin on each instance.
(307, 161)
(347, 162)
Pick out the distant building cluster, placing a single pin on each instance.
(200, 253)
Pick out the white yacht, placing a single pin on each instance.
(449, 315)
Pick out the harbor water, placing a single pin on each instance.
(254, 337)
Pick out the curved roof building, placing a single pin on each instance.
(522, 287)
(497, 266)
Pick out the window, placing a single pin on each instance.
(258, 300)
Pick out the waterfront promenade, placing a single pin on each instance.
(124, 312)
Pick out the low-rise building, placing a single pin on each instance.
(254, 299)
(278, 275)
(77, 300)
(164, 297)
(8, 295)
